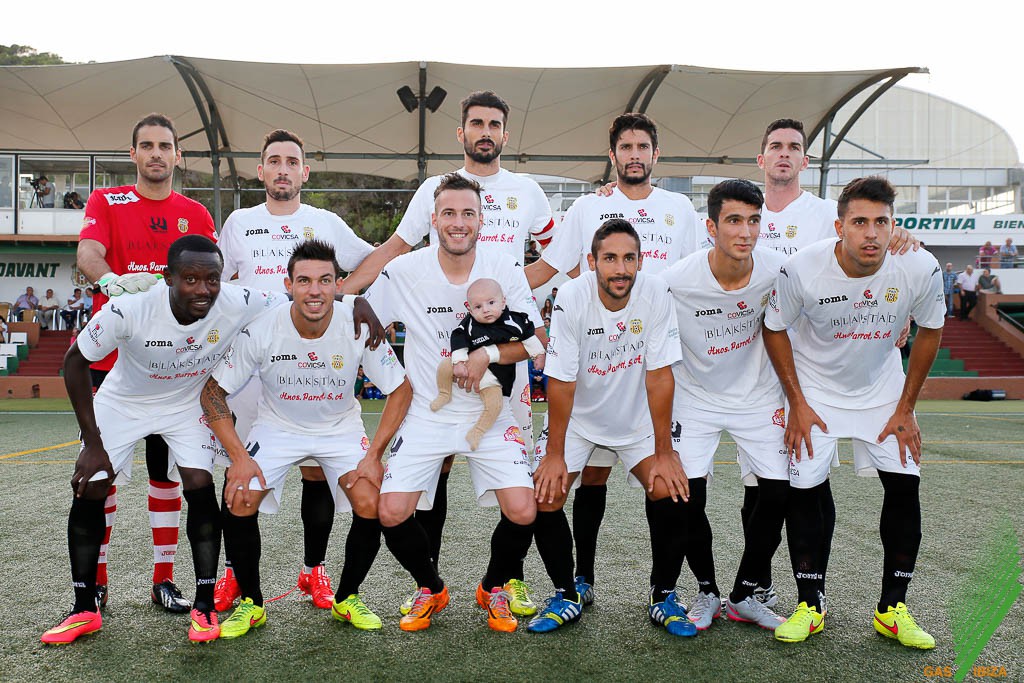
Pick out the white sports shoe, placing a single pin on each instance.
(753, 611)
(766, 596)
(704, 609)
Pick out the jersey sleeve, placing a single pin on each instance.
(384, 297)
(542, 226)
(381, 366)
(240, 362)
(664, 345)
(929, 308)
(563, 254)
(415, 224)
(785, 303)
(104, 333)
(350, 248)
(229, 248)
(563, 352)
(96, 223)
(460, 335)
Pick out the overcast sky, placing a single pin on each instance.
(974, 54)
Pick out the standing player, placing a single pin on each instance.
(426, 290)
(726, 383)
(257, 243)
(170, 339)
(514, 210)
(125, 236)
(843, 302)
(667, 225)
(614, 334)
(305, 361)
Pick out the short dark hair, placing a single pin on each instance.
(611, 227)
(42, 177)
(872, 188)
(456, 181)
(314, 250)
(735, 189)
(632, 121)
(281, 135)
(194, 243)
(484, 98)
(154, 119)
(779, 124)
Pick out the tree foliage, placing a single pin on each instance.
(26, 55)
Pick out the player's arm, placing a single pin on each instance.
(93, 458)
(539, 272)
(243, 468)
(363, 276)
(801, 416)
(395, 408)
(551, 478)
(660, 386)
(903, 424)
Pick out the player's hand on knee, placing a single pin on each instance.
(799, 422)
(669, 468)
(903, 425)
(237, 493)
(92, 460)
(362, 314)
(370, 469)
(550, 479)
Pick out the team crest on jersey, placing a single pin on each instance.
(337, 362)
(790, 231)
(779, 418)
(214, 336)
(365, 443)
(513, 434)
(892, 294)
(670, 220)
(512, 203)
(307, 233)
(636, 326)
(182, 225)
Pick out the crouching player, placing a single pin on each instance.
(170, 339)
(306, 361)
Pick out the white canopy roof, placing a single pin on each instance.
(709, 120)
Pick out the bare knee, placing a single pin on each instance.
(595, 476)
(312, 473)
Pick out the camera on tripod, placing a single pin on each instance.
(34, 182)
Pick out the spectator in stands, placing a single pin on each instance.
(968, 282)
(3, 331)
(87, 300)
(985, 254)
(545, 311)
(551, 297)
(989, 283)
(75, 307)
(949, 288)
(46, 312)
(25, 302)
(73, 200)
(1008, 254)
(531, 254)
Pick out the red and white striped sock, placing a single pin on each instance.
(164, 518)
(110, 510)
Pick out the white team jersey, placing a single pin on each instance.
(609, 353)
(844, 329)
(414, 290)
(514, 209)
(307, 384)
(162, 363)
(807, 219)
(725, 367)
(257, 244)
(665, 221)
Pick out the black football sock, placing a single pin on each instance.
(828, 522)
(242, 541)
(762, 535)
(509, 544)
(409, 544)
(433, 520)
(900, 528)
(317, 520)
(805, 533)
(554, 544)
(587, 513)
(361, 549)
(668, 524)
(203, 530)
(86, 524)
(700, 543)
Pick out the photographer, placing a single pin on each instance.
(72, 200)
(44, 192)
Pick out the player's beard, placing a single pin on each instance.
(605, 284)
(447, 247)
(156, 174)
(285, 194)
(633, 179)
(483, 157)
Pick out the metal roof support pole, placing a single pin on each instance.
(217, 208)
(421, 157)
(825, 157)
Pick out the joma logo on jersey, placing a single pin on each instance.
(892, 294)
(706, 311)
(439, 309)
(832, 299)
(595, 330)
(283, 356)
(257, 231)
(158, 342)
(606, 216)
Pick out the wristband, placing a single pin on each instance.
(493, 354)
